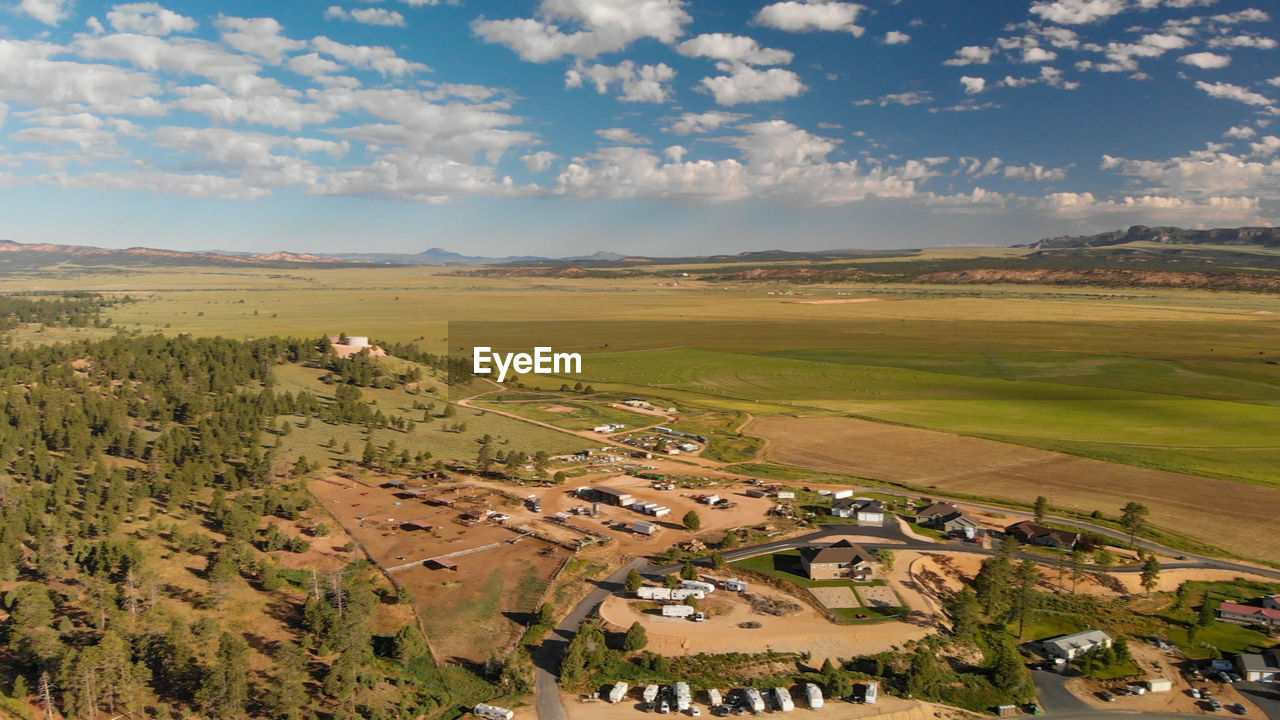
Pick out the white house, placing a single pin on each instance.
(1264, 667)
(1070, 647)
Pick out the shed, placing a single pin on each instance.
(440, 563)
(757, 493)
(644, 528)
(417, 525)
(393, 484)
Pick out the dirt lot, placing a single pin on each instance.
(889, 708)
(468, 611)
(1190, 505)
(836, 597)
(803, 630)
(1157, 663)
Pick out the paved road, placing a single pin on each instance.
(1264, 696)
(1054, 697)
(553, 648)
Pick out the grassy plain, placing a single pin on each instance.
(1178, 380)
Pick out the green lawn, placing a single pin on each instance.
(786, 566)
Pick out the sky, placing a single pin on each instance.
(654, 127)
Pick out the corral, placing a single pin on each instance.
(466, 609)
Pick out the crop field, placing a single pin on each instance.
(1194, 506)
(1183, 381)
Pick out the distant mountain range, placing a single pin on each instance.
(1261, 236)
(1217, 247)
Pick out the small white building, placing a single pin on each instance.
(644, 528)
(1070, 647)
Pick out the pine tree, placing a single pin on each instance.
(636, 638)
(287, 696)
(634, 581)
(225, 689)
(1041, 508)
(1150, 574)
(691, 521)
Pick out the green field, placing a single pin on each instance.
(1183, 380)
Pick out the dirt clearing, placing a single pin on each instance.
(1192, 506)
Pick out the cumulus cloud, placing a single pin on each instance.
(733, 48)
(1240, 132)
(796, 16)
(894, 37)
(1256, 42)
(745, 84)
(972, 55)
(690, 123)
(973, 85)
(1034, 173)
(639, 83)
(366, 16)
(1206, 60)
(49, 12)
(1050, 76)
(540, 161)
(1228, 91)
(1077, 12)
(1203, 174)
(600, 26)
(148, 18)
(622, 136)
(262, 37)
(777, 161)
(384, 60)
(1121, 56)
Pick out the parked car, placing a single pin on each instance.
(1106, 696)
(695, 712)
(1195, 693)
(1214, 705)
(1239, 709)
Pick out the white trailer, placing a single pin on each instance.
(814, 694)
(492, 712)
(618, 693)
(653, 593)
(783, 697)
(841, 494)
(786, 495)
(871, 692)
(705, 587)
(735, 585)
(650, 693)
(661, 511)
(682, 611)
(644, 528)
(711, 499)
(684, 698)
(754, 700)
(1159, 685)
(713, 698)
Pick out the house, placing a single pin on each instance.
(1241, 614)
(1070, 647)
(1260, 667)
(1271, 602)
(840, 561)
(1030, 533)
(949, 519)
(865, 510)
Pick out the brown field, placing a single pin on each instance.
(470, 614)
(1218, 512)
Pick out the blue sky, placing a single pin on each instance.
(643, 126)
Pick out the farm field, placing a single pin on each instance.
(470, 614)
(1193, 506)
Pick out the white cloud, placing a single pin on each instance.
(1244, 41)
(622, 136)
(1050, 76)
(366, 16)
(1163, 209)
(640, 83)
(381, 59)
(602, 26)
(1034, 173)
(973, 85)
(972, 55)
(1240, 132)
(28, 76)
(184, 56)
(1206, 60)
(1038, 55)
(1077, 12)
(540, 161)
(196, 185)
(49, 12)
(1266, 146)
(1121, 55)
(1227, 91)
(746, 84)
(274, 109)
(313, 65)
(733, 48)
(148, 18)
(257, 36)
(1242, 16)
(894, 37)
(913, 97)
(796, 16)
(1203, 174)
(690, 123)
